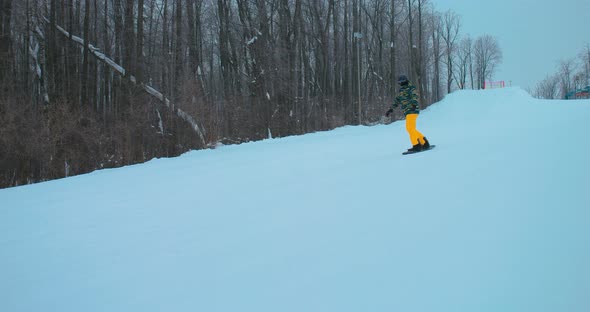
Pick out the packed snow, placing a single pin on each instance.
(496, 218)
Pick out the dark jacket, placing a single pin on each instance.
(408, 99)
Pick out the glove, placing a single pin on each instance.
(389, 112)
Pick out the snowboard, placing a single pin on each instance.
(424, 150)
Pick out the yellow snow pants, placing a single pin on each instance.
(415, 136)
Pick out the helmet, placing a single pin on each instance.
(403, 79)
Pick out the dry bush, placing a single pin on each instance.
(64, 139)
(22, 142)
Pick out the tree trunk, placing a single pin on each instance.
(381, 68)
(283, 84)
(411, 73)
(129, 46)
(139, 51)
(165, 50)
(119, 92)
(294, 72)
(178, 59)
(5, 40)
(326, 62)
(347, 74)
(106, 72)
(450, 33)
(51, 49)
(224, 52)
(118, 30)
(261, 55)
(356, 59)
(85, 62)
(95, 74)
(420, 63)
(71, 59)
(436, 57)
(130, 70)
(194, 24)
(337, 59)
(27, 35)
(392, 51)
(77, 17)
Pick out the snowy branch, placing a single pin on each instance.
(150, 90)
(36, 68)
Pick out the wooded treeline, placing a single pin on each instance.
(90, 84)
(572, 74)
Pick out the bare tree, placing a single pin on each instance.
(336, 45)
(178, 53)
(106, 84)
(194, 12)
(487, 55)
(585, 58)
(165, 50)
(548, 88)
(463, 62)
(420, 62)
(347, 79)
(140, 34)
(572, 75)
(437, 56)
(411, 44)
(86, 62)
(356, 59)
(566, 76)
(223, 7)
(129, 44)
(451, 25)
(393, 29)
(5, 42)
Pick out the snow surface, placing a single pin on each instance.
(496, 218)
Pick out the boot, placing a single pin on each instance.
(415, 148)
(426, 144)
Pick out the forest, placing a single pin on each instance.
(92, 84)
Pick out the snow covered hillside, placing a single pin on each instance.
(496, 218)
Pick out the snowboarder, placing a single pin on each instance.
(408, 99)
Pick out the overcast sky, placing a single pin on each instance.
(534, 35)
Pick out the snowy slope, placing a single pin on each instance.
(496, 218)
